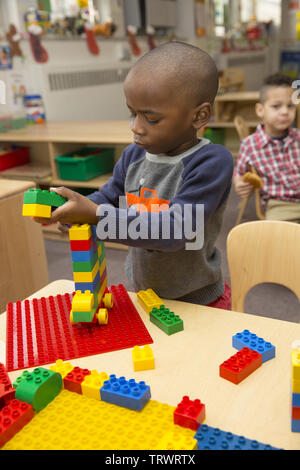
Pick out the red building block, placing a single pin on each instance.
(13, 418)
(296, 412)
(4, 379)
(6, 395)
(189, 414)
(239, 366)
(81, 245)
(74, 379)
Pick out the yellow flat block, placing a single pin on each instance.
(148, 300)
(80, 232)
(72, 422)
(143, 358)
(296, 364)
(83, 301)
(36, 210)
(86, 276)
(102, 267)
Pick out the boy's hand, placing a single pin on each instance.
(243, 189)
(77, 210)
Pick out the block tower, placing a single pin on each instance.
(295, 399)
(90, 302)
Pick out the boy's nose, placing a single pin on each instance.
(136, 126)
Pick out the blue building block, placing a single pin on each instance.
(295, 399)
(127, 393)
(209, 438)
(251, 341)
(92, 286)
(86, 255)
(295, 425)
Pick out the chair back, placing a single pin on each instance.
(263, 251)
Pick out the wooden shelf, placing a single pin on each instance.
(93, 183)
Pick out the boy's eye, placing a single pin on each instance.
(152, 121)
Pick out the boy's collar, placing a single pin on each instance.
(262, 138)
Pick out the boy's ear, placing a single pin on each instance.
(202, 115)
(259, 109)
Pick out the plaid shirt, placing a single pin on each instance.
(277, 162)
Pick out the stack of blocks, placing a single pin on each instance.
(160, 315)
(89, 270)
(39, 203)
(295, 399)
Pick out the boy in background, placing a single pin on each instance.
(169, 93)
(274, 151)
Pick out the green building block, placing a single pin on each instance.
(43, 197)
(165, 320)
(84, 316)
(39, 387)
(20, 378)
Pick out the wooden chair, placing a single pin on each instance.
(243, 132)
(263, 251)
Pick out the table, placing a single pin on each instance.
(187, 363)
(24, 266)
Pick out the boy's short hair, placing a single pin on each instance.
(189, 66)
(273, 81)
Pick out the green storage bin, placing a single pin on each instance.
(85, 164)
(216, 136)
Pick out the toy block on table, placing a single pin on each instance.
(189, 413)
(148, 300)
(63, 368)
(92, 383)
(73, 380)
(6, 395)
(126, 393)
(174, 440)
(166, 320)
(39, 387)
(4, 378)
(13, 418)
(210, 438)
(43, 197)
(295, 390)
(246, 339)
(240, 365)
(143, 358)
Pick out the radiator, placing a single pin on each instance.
(84, 93)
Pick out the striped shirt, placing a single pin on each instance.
(277, 162)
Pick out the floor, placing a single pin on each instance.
(267, 300)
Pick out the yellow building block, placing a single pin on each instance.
(148, 300)
(83, 301)
(75, 422)
(102, 290)
(63, 368)
(80, 232)
(102, 267)
(296, 364)
(143, 358)
(295, 386)
(86, 276)
(92, 383)
(36, 210)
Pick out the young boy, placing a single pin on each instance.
(274, 151)
(169, 93)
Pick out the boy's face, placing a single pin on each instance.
(161, 121)
(278, 111)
